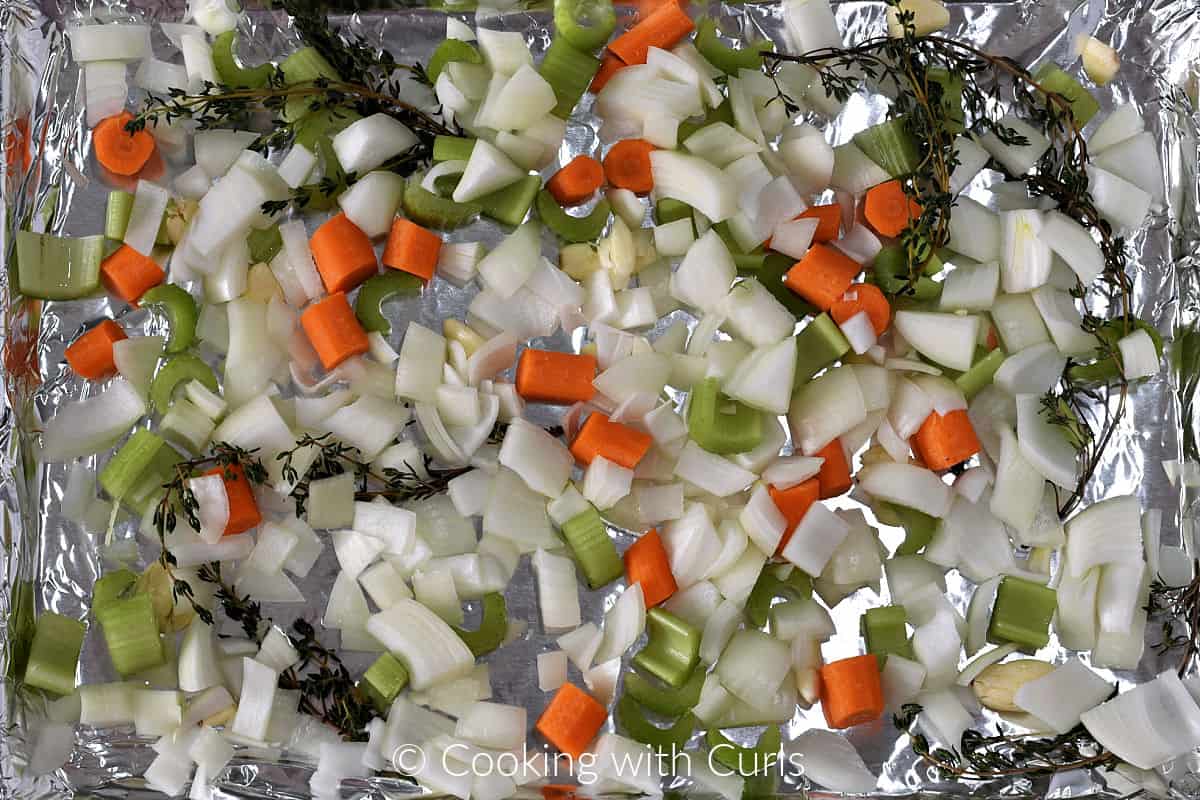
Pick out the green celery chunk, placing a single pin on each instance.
(53, 267)
(980, 375)
(149, 483)
(568, 228)
(720, 424)
(176, 371)
(1052, 78)
(181, 312)
(951, 86)
(594, 551)
(186, 426)
(918, 526)
(586, 24)
(670, 210)
(722, 113)
(452, 148)
(110, 587)
(797, 585)
(377, 290)
(750, 263)
(672, 650)
(233, 74)
(663, 699)
(265, 244)
(890, 272)
(746, 760)
(131, 633)
(818, 345)
(511, 204)
(493, 626)
(631, 720)
(431, 211)
(569, 71)
(770, 273)
(891, 146)
(54, 654)
(116, 214)
(122, 471)
(765, 785)
(451, 50)
(303, 66)
(383, 681)
(885, 632)
(1105, 369)
(724, 57)
(1022, 612)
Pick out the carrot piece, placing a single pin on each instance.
(619, 443)
(572, 720)
(16, 145)
(663, 27)
(243, 508)
(647, 563)
(609, 64)
(944, 440)
(794, 503)
(627, 166)
(851, 692)
(412, 249)
(91, 355)
(333, 329)
(888, 209)
(863, 297)
(575, 183)
(822, 276)
(118, 150)
(343, 254)
(829, 221)
(834, 477)
(128, 274)
(992, 341)
(549, 376)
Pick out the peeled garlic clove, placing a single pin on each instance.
(997, 685)
(1100, 61)
(929, 16)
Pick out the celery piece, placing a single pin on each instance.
(368, 307)
(452, 148)
(316, 126)
(885, 632)
(818, 345)
(891, 146)
(670, 210)
(672, 649)
(131, 633)
(58, 267)
(1105, 369)
(751, 264)
(122, 471)
(110, 587)
(724, 57)
(1021, 613)
(630, 718)
(149, 483)
(764, 784)
(569, 71)
(746, 760)
(797, 585)
(1084, 106)
(663, 699)
(568, 228)
(116, 214)
(427, 209)
(181, 312)
(722, 113)
(265, 244)
(951, 87)
(175, 371)
(448, 51)
(980, 375)
(720, 424)
(594, 551)
(233, 74)
(727, 237)
(510, 204)
(493, 626)
(383, 681)
(918, 526)
(54, 654)
(586, 24)
(186, 426)
(770, 274)
(890, 271)
(303, 66)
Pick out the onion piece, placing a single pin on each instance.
(367, 143)
(907, 485)
(213, 506)
(109, 42)
(944, 716)
(87, 426)
(372, 201)
(1149, 724)
(826, 408)
(902, 680)
(488, 170)
(711, 472)
(429, 648)
(581, 645)
(753, 666)
(694, 181)
(623, 624)
(832, 761)
(1060, 697)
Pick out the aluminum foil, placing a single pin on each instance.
(50, 562)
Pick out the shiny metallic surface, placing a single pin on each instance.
(50, 562)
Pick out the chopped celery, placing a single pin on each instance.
(891, 146)
(1022, 612)
(885, 632)
(383, 681)
(233, 74)
(918, 526)
(585, 24)
(116, 214)
(890, 270)
(110, 587)
(54, 654)
(126, 466)
(672, 650)
(670, 210)
(746, 760)
(304, 65)
(181, 311)
(149, 483)
(1084, 106)
(724, 57)
(427, 209)
(175, 371)
(568, 228)
(594, 551)
(980, 375)
(751, 264)
(510, 204)
(770, 275)
(448, 51)
(493, 626)
(951, 86)
(265, 244)
(131, 633)
(368, 307)
(186, 425)
(631, 719)
(722, 113)
(452, 148)
(720, 424)
(797, 585)
(818, 345)
(569, 71)
(58, 267)
(663, 699)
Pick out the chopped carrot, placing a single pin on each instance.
(609, 64)
(851, 692)
(647, 563)
(829, 221)
(118, 150)
(16, 145)
(333, 329)
(91, 355)
(343, 254)
(822, 276)
(619, 443)
(944, 440)
(549, 376)
(992, 341)
(243, 508)
(412, 249)
(888, 209)
(128, 274)
(664, 27)
(575, 183)
(834, 477)
(794, 503)
(627, 166)
(572, 720)
(863, 297)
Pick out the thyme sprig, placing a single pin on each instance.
(1177, 609)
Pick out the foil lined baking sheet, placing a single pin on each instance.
(50, 562)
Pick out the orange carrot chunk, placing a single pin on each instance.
(647, 563)
(119, 151)
(572, 720)
(412, 249)
(834, 477)
(944, 440)
(619, 443)
(888, 209)
(343, 254)
(548, 376)
(128, 274)
(851, 692)
(627, 165)
(822, 276)
(863, 297)
(333, 329)
(664, 27)
(243, 508)
(609, 64)
(794, 503)
(829, 221)
(91, 355)
(575, 183)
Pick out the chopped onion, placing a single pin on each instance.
(830, 760)
(711, 472)
(429, 648)
(944, 717)
(909, 486)
(212, 506)
(504, 52)
(372, 201)
(109, 42)
(1149, 724)
(517, 513)
(87, 426)
(692, 545)
(815, 538)
(974, 231)
(694, 181)
(259, 682)
(1073, 244)
(902, 680)
(219, 148)
(1139, 357)
(1044, 444)
(623, 624)
(581, 645)
(947, 339)
(826, 408)
(1123, 123)
(754, 666)
(369, 142)
(1119, 201)
(1025, 252)
(1060, 697)
(793, 237)
(487, 170)
(788, 471)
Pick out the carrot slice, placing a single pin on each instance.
(118, 150)
(128, 274)
(834, 477)
(243, 508)
(627, 166)
(333, 329)
(572, 720)
(664, 27)
(944, 440)
(343, 254)
(575, 183)
(851, 692)
(794, 503)
(549, 376)
(91, 355)
(829, 221)
(412, 249)
(609, 64)
(647, 563)
(863, 297)
(619, 443)
(888, 209)
(822, 276)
